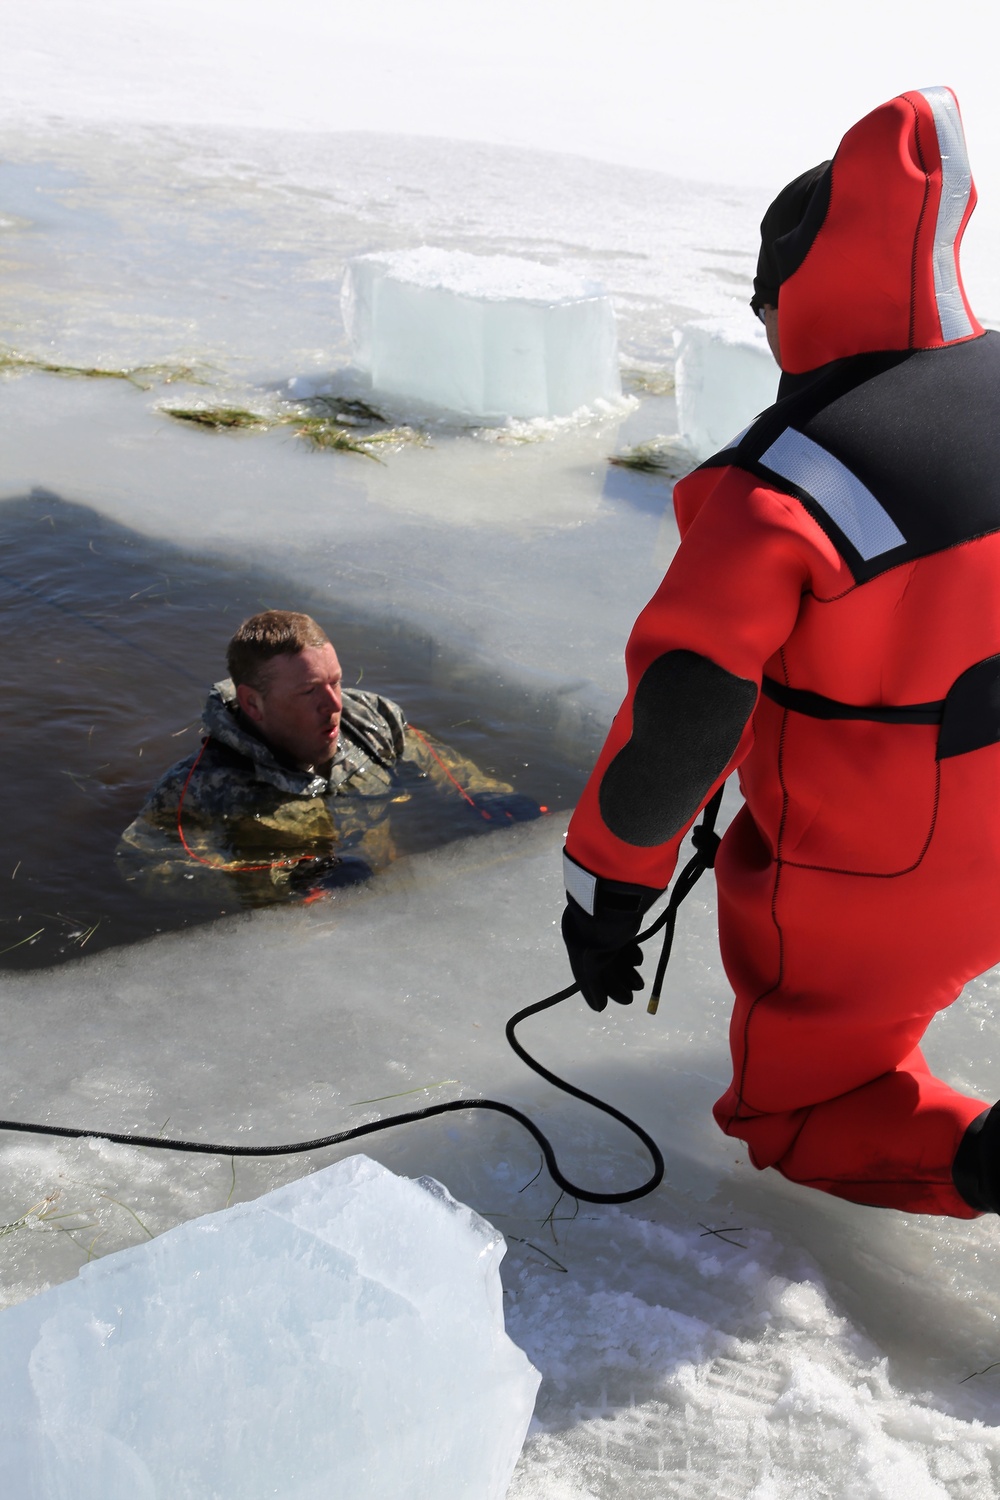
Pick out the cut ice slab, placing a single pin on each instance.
(483, 336)
(342, 1336)
(725, 376)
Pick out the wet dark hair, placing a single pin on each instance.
(275, 632)
(787, 231)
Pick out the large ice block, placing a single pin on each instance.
(725, 376)
(342, 1336)
(483, 336)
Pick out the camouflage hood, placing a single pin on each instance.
(372, 728)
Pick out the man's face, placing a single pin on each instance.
(299, 713)
(771, 330)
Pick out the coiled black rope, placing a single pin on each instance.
(705, 841)
(452, 1106)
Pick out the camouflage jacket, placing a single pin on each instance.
(236, 813)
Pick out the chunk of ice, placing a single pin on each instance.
(725, 376)
(484, 336)
(341, 1336)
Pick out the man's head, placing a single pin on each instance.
(786, 232)
(861, 254)
(287, 679)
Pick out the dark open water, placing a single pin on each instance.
(108, 644)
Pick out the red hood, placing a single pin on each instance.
(882, 271)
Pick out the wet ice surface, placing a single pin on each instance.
(812, 1346)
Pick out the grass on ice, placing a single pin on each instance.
(667, 457)
(651, 382)
(142, 376)
(327, 424)
(230, 418)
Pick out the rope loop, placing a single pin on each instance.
(685, 882)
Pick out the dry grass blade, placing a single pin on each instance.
(43, 1213)
(348, 410)
(532, 1246)
(21, 942)
(171, 374)
(85, 937)
(664, 456)
(649, 382)
(142, 376)
(227, 417)
(118, 1204)
(420, 1089)
(15, 1223)
(325, 434)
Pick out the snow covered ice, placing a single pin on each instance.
(341, 1335)
(730, 1336)
(805, 1335)
(725, 377)
(483, 336)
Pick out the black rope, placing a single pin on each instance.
(453, 1106)
(706, 842)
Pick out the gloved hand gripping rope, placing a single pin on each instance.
(602, 939)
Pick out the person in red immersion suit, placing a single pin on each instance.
(830, 626)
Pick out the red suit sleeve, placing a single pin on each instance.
(695, 659)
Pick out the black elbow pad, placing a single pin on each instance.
(688, 714)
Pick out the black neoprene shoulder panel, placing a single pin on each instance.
(919, 430)
(971, 717)
(688, 714)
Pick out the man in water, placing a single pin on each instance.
(302, 784)
(831, 626)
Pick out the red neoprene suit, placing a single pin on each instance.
(859, 886)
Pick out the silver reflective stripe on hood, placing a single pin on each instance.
(956, 187)
(836, 491)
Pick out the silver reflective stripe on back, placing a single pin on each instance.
(580, 884)
(832, 486)
(956, 186)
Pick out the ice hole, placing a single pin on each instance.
(484, 336)
(110, 642)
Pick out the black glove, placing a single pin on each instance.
(501, 808)
(601, 946)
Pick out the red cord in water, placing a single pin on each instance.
(300, 859)
(461, 789)
(230, 868)
(457, 784)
